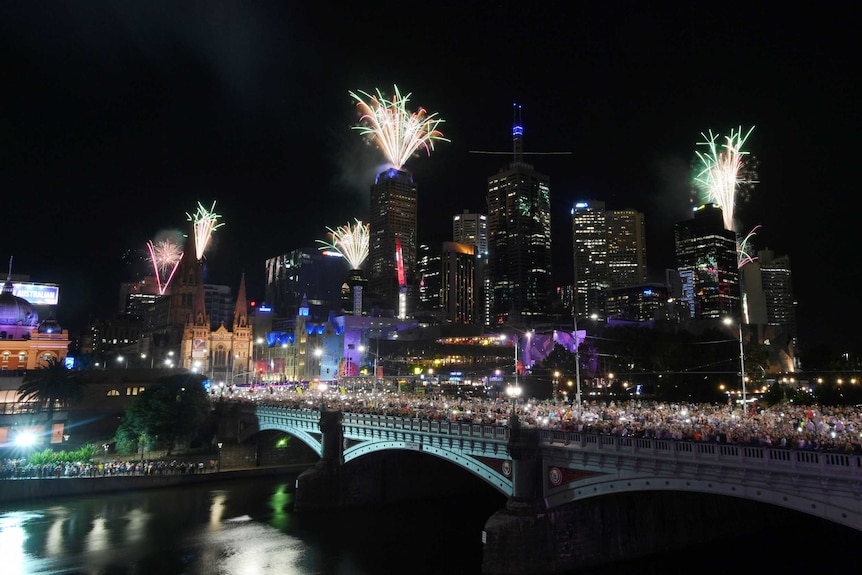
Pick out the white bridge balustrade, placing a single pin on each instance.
(579, 465)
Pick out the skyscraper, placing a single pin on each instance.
(472, 229)
(590, 248)
(626, 248)
(304, 274)
(707, 253)
(519, 239)
(459, 282)
(769, 305)
(609, 249)
(393, 220)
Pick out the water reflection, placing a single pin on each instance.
(233, 528)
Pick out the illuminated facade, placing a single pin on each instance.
(706, 253)
(25, 341)
(223, 354)
(519, 239)
(393, 220)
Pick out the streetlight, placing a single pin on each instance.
(729, 321)
(218, 465)
(513, 391)
(577, 358)
(376, 354)
(556, 385)
(121, 359)
(105, 446)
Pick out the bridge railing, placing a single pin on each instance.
(748, 456)
(435, 426)
(825, 463)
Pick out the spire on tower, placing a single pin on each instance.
(517, 133)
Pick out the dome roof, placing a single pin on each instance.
(16, 310)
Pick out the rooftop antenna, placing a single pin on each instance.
(518, 139)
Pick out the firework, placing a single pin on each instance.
(351, 242)
(720, 173)
(165, 256)
(205, 223)
(396, 131)
(743, 257)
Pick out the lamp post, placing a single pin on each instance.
(218, 464)
(555, 392)
(105, 446)
(729, 321)
(577, 359)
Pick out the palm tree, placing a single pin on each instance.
(53, 386)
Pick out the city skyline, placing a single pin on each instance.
(120, 120)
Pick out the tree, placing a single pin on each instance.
(51, 387)
(168, 412)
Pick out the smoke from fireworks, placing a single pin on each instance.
(165, 256)
(720, 173)
(352, 242)
(396, 131)
(205, 223)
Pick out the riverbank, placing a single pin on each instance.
(34, 490)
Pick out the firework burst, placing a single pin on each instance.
(352, 242)
(165, 256)
(205, 223)
(396, 131)
(742, 247)
(720, 173)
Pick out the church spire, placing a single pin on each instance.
(240, 312)
(199, 306)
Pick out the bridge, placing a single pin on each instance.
(544, 472)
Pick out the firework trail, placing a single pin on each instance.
(396, 131)
(352, 242)
(205, 223)
(743, 257)
(165, 256)
(720, 173)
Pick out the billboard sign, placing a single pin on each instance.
(37, 294)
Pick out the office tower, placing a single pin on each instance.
(609, 249)
(590, 248)
(519, 239)
(472, 229)
(304, 273)
(459, 282)
(137, 296)
(769, 305)
(706, 256)
(393, 222)
(430, 271)
(220, 304)
(637, 303)
(626, 248)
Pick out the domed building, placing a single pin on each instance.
(25, 342)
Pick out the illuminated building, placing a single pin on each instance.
(706, 253)
(519, 239)
(26, 342)
(393, 220)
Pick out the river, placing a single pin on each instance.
(248, 527)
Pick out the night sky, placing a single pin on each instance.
(117, 118)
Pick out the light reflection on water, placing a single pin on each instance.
(233, 528)
(188, 531)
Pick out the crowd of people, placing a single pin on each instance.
(834, 428)
(20, 468)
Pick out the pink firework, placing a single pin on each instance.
(165, 256)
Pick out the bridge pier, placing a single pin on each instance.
(512, 537)
(321, 487)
